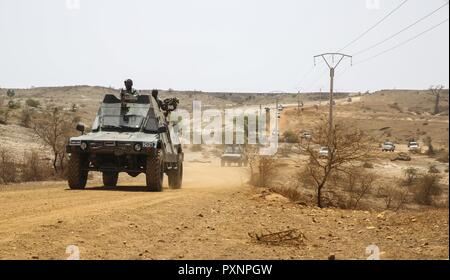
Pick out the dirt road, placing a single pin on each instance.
(209, 218)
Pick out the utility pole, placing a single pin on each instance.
(332, 66)
(436, 91)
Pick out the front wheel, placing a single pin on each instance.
(110, 179)
(155, 172)
(176, 177)
(77, 177)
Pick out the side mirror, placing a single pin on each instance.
(162, 129)
(81, 127)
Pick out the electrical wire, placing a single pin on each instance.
(373, 26)
(401, 31)
(403, 42)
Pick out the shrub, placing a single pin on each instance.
(290, 137)
(25, 118)
(13, 105)
(32, 103)
(262, 168)
(4, 116)
(433, 169)
(426, 188)
(34, 169)
(411, 174)
(359, 184)
(8, 168)
(428, 142)
(394, 197)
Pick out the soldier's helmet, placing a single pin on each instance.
(128, 84)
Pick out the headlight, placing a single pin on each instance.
(75, 142)
(137, 147)
(83, 146)
(148, 145)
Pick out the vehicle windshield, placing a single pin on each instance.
(115, 117)
(232, 150)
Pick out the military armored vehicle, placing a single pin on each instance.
(131, 135)
(233, 154)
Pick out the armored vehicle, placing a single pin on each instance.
(233, 154)
(131, 135)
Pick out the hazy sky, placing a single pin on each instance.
(211, 45)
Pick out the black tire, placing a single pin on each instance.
(176, 177)
(155, 172)
(77, 178)
(110, 179)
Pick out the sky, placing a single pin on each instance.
(226, 45)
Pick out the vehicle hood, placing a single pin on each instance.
(231, 155)
(118, 136)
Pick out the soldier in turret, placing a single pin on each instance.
(128, 91)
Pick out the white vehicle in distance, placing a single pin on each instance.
(324, 152)
(306, 135)
(387, 147)
(413, 147)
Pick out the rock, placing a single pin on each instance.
(200, 215)
(381, 216)
(331, 257)
(276, 197)
(371, 227)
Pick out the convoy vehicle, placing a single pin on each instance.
(233, 154)
(130, 135)
(388, 147)
(413, 147)
(324, 152)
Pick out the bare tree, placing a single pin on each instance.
(53, 127)
(347, 146)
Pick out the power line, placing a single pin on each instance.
(403, 42)
(393, 48)
(402, 30)
(373, 26)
